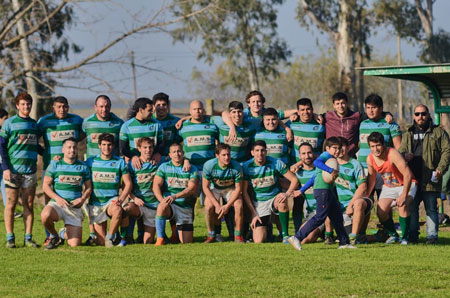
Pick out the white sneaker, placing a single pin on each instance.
(219, 238)
(295, 242)
(108, 243)
(346, 246)
(404, 242)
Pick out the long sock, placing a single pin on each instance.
(352, 236)
(218, 229)
(390, 227)
(160, 222)
(212, 234)
(109, 236)
(123, 232)
(237, 233)
(329, 234)
(297, 219)
(28, 237)
(61, 234)
(92, 235)
(47, 233)
(404, 225)
(284, 220)
(131, 225)
(10, 236)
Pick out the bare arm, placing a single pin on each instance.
(293, 183)
(397, 142)
(84, 196)
(227, 120)
(398, 160)
(189, 191)
(208, 193)
(47, 187)
(158, 182)
(371, 178)
(359, 193)
(247, 198)
(128, 186)
(179, 123)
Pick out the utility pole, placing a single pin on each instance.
(133, 70)
(399, 82)
(27, 62)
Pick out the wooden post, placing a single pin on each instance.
(209, 106)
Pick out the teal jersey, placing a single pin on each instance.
(132, 130)
(244, 138)
(169, 130)
(93, 128)
(312, 133)
(21, 137)
(319, 183)
(106, 178)
(389, 131)
(264, 179)
(199, 141)
(276, 141)
(351, 176)
(176, 180)
(143, 183)
(54, 131)
(68, 179)
(258, 120)
(303, 176)
(222, 178)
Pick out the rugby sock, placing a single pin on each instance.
(329, 234)
(237, 233)
(131, 225)
(61, 234)
(28, 237)
(297, 219)
(352, 236)
(160, 222)
(47, 233)
(404, 226)
(284, 220)
(109, 236)
(123, 232)
(92, 235)
(212, 234)
(390, 227)
(218, 229)
(10, 236)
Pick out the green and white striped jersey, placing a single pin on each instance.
(93, 128)
(133, 130)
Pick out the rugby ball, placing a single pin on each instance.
(332, 163)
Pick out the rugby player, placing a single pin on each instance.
(222, 186)
(108, 171)
(176, 191)
(162, 116)
(63, 184)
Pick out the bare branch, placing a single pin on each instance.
(425, 19)
(319, 23)
(17, 17)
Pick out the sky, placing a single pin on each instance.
(161, 65)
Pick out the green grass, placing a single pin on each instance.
(223, 269)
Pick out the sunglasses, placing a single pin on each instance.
(417, 114)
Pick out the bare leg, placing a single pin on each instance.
(48, 218)
(12, 198)
(28, 210)
(73, 235)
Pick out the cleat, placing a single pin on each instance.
(11, 243)
(46, 241)
(219, 238)
(392, 239)
(109, 243)
(61, 233)
(346, 246)
(129, 240)
(329, 240)
(285, 240)
(159, 241)
(404, 242)
(30, 243)
(122, 243)
(239, 239)
(18, 214)
(210, 239)
(90, 241)
(53, 243)
(432, 241)
(295, 242)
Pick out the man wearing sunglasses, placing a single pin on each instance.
(426, 148)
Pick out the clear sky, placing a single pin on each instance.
(164, 66)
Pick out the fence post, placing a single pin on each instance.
(209, 106)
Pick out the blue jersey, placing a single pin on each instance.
(170, 132)
(311, 132)
(93, 128)
(276, 141)
(257, 121)
(351, 176)
(132, 130)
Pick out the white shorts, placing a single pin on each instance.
(148, 216)
(70, 216)
(97, 214)
(21, 181)
(395, 192)
(224, 193)
(265, 208)
(182, 216)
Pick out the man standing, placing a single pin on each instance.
(19, 150)
(222, 186)
(103, 120)
(426, 148)
(3, 117)
(261, 174)
(63, 184)
(399, 186)
(108, 171)
(175, 190)
(167, 120)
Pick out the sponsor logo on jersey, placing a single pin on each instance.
(263, 182)
(94, 137)
(363, 137)
(175, 182)
(145, 177)
(282, 136)
(104, 177)
(274, 148)
(239, 142)
(298, 140)
(61, 135)
(315, 127)
(223, 182)
(69, 179)
(24, 139)
(198, 141)
(343, 183)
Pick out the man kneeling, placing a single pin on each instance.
(63, 184)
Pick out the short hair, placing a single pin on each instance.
(221, 146)
(270, 112)
(60, 99)
(339, 96)
(71, 139)
(374, 99)
(305, 144)
(175, 144)
(235, 105)
(344, 141)
(23, 96)
(106, 137)
(105, 97)
(376, 137)
(304, 102)
(253, 93)
(143, 140)
(419, 105)
(141, 103)
(161, 96)
(259, 143)
(3, 113)
(331, 141)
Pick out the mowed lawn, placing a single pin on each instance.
(223, 269)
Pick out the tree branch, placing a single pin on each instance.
(319, 23)
(17, 17)
(425, 19)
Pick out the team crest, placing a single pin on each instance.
(315, 128)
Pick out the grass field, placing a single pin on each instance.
(223, 269)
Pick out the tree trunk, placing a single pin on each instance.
(399, 86)
(27, 62)
(252, 71)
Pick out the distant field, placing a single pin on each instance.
(224, 269)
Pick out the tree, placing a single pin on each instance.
(241, 31)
